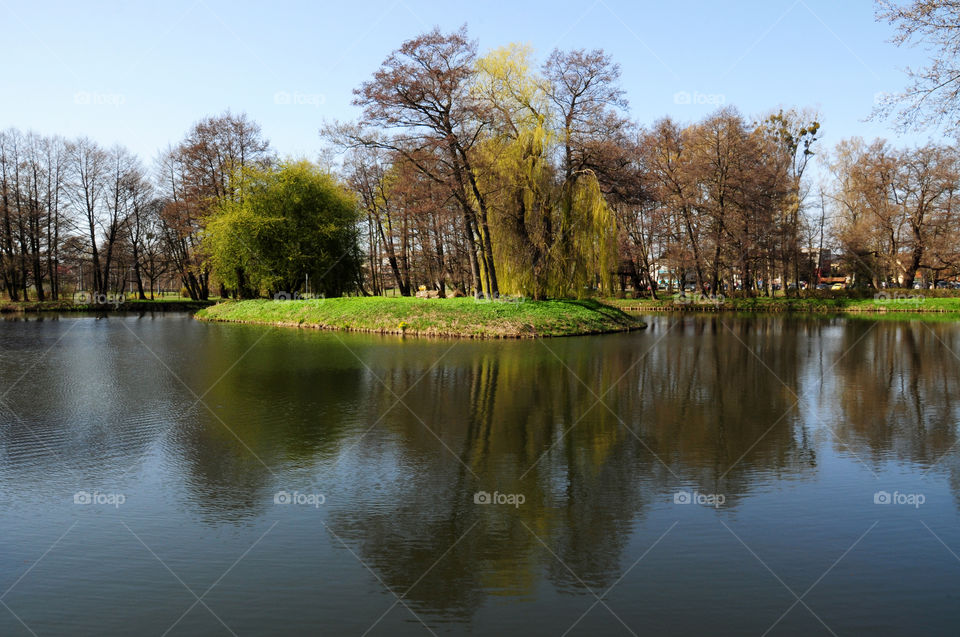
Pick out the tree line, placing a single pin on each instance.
(478, 174)
(498, 175)
(77, 216)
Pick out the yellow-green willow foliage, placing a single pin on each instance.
(552, 238)
(587, 238)
(522, 219)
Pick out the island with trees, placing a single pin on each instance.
(488, 177)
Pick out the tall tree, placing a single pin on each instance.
(90, 178)
(202, 172)
(933, 96)
(794, 135)
(422, 94)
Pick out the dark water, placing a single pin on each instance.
(781, 432)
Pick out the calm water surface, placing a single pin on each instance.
(709, 475)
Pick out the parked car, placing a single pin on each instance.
(823, 286)
(837, 286)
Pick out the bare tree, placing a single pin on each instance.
(933, 96)
(90, 177)
(422, 93)
(196, 176)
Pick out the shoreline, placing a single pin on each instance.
(24, 307)
(440, 318)
(933, 309)
(426, 334)
(917, 307)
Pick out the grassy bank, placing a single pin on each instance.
(897, 302)
(162, 305)
(464, 317)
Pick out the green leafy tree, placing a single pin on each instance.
(294, 230)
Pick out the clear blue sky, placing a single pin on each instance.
(141, 73)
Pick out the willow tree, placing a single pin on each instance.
(583, 88)
(554, 231)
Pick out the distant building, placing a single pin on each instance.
(822, 259)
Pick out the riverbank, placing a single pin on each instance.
(893, 302)
(157, 305)
(460, 317)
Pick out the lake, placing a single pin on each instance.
(711, 474)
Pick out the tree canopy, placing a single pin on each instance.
(293, 228)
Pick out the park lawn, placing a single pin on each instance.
(456, 317)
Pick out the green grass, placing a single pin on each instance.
(914, 302)
(464, 317)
